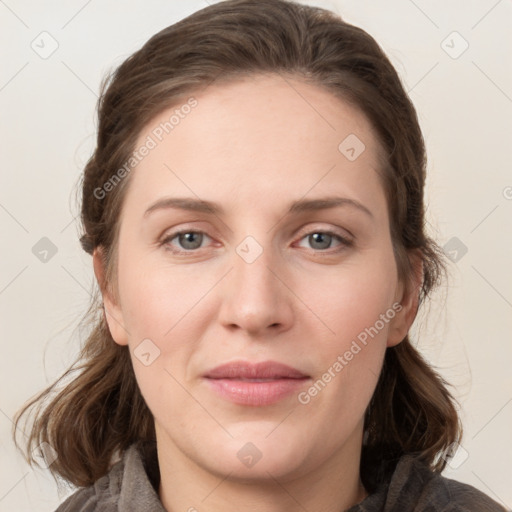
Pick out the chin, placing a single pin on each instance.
(257, 453)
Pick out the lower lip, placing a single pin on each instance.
(245, 392)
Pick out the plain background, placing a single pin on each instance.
(464, 102)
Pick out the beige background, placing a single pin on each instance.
(464, 101)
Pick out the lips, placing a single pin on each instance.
(241, 370)
(255, 384)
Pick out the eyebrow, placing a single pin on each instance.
(299, 206)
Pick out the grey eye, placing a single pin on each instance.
(190, 240)
(320, 240)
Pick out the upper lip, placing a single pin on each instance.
(247, 370)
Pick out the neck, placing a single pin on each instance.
(185, 486)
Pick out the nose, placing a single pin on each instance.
(256, 298)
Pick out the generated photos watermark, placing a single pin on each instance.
(151, 142)
(343, 360)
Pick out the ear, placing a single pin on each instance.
(112, 310)
(408, 297)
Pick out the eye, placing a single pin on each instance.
(190, 241)
(187, 240)
(322, 240)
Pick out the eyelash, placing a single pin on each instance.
(344, 242)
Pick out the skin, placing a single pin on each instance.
(253, 146)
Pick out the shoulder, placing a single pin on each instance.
(102, 495)
(130, 485)
(89, 499)
(415, 487)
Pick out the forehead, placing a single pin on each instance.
(254, 136)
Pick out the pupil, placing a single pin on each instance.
(318, 238)
(189, 239)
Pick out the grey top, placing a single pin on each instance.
(132, 483)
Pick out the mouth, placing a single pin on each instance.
(255, 384)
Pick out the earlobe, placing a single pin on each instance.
(409, 301)
(112, 310)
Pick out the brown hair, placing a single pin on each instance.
(100, 411)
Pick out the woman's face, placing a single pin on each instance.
(292, 265)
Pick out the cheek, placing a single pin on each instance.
(156, 298)
(164, 303)
(354, 296)
(355, 303)
(160, 305)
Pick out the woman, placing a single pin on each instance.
(254, 209)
